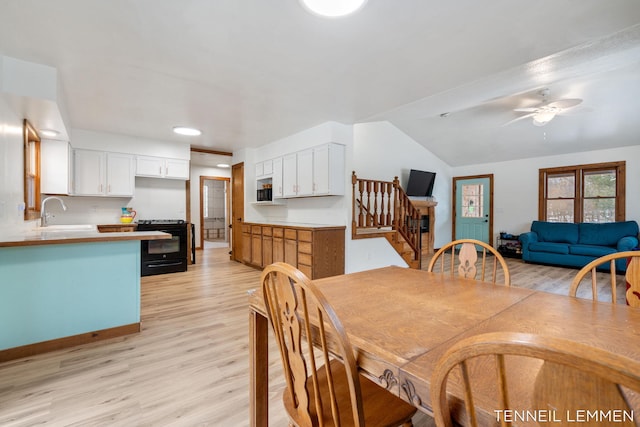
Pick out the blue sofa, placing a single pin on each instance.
(575, 245)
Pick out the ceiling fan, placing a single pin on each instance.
(546, 111)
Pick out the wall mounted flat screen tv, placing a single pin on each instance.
(420, 183)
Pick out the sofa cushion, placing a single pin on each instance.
(556, 248)
(558, 232)
(606, 234)
(591, 250)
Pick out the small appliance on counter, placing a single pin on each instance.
(164, 256)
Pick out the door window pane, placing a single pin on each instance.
(472, 200)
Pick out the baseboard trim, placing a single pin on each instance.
(66, 342)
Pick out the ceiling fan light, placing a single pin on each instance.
(542, 118)
(333, 8)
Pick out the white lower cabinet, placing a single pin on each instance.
(100, 173)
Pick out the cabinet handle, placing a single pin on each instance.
(109, 188)
(160, 170)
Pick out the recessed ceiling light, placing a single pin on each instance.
(222, 165)
(333, 8)
(49, 133)
(182, 130)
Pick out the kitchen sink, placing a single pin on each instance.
(66, 228)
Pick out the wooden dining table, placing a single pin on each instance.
(401, 321)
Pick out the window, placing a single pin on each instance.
(584, 193)
(31, 172)
(472, 197)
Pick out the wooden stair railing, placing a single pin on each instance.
(382, 208)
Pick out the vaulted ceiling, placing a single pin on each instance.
(248, 72)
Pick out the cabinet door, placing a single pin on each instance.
(305, 173)
(120, 174)
(55, 167)
(289, 175)
(267, 167)
(246, 244)
(149, 166)
(259, 169)
(89, 173)
(291, 247)
(176, 169)
(321, 170)
(276, 181)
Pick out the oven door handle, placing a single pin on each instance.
(167, 264)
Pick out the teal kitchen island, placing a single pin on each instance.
(64, 287)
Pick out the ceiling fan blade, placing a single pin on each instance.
(526, 110)
(519, 118)
(565, 103)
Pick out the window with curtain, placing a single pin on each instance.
(583, 193)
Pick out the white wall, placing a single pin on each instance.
(516, 184)
(382, 152)
(196, 172)
(311, 210)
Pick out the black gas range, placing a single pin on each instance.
(166, 255)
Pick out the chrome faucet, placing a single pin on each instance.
(44, 217)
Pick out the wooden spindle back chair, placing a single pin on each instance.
(461, 256)
(324, 387)
(632, 276)
(571, 377)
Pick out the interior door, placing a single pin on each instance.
(237, 210)
(473, 210)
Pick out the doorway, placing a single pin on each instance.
(473, 208)
(214, 212)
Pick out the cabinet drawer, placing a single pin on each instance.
(307, 270)
(304, 259)
(266, 231)
(256, 229)
(304, 235)
(304, 247)
(246, 228)
(290, 234)
(278, 232)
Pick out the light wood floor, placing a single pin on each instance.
(188, 366)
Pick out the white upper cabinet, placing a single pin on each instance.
(317, 171)
(160, 167)
(328, 170)
(55, 167)
(99, 173)
(276, 183)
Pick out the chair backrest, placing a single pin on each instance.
(568, 379)
(445, 260)
(632, 276)
(297, 310)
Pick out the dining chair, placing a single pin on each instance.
(323, 385)
(467, 250)
(632, 276)
(567, 380)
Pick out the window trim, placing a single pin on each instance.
(31, 210)
(578, 171)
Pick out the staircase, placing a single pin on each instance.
(382, 209)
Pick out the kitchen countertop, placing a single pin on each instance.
(293, 224)
(43, 237)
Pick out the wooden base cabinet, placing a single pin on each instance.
(316, 251)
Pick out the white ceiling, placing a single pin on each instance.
(248, 72)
